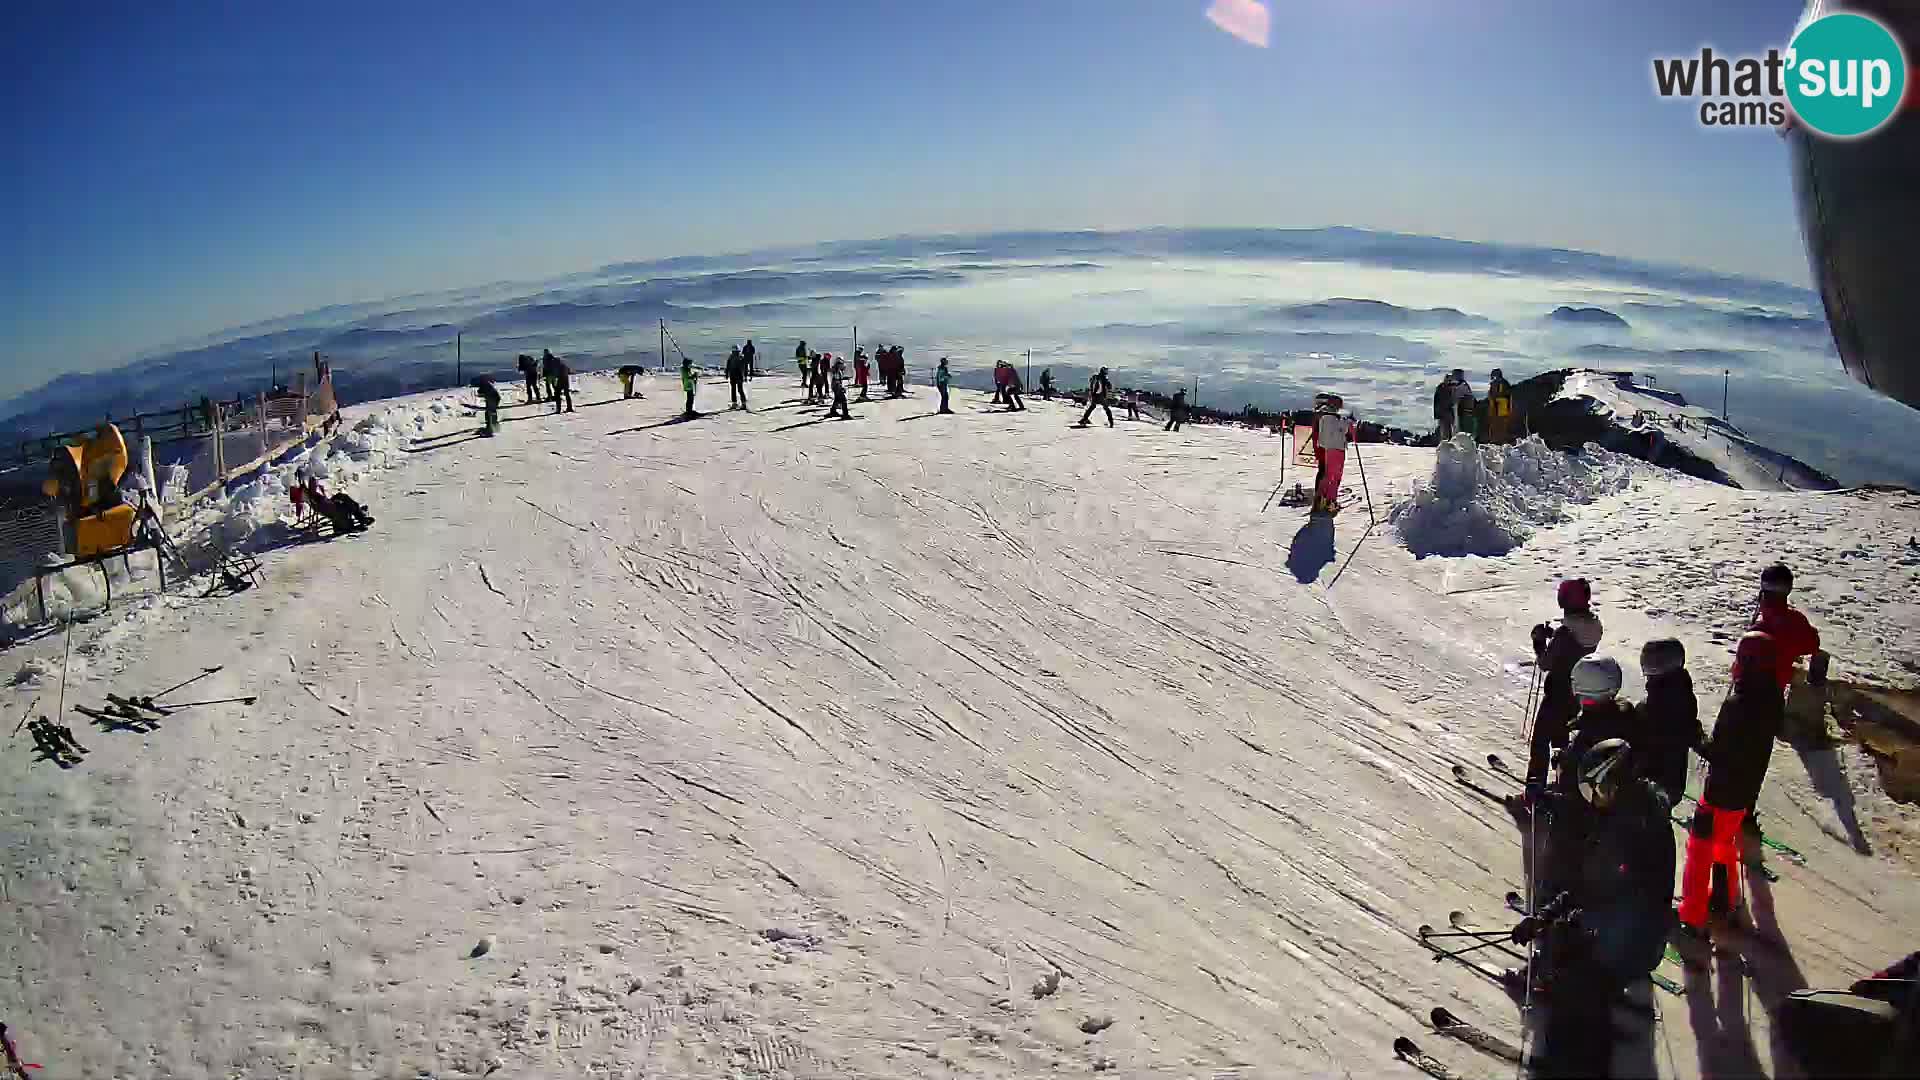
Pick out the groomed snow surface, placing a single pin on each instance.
(913, 745)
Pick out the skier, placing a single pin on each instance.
(1499, 408)
(490, 421)
(1671, 716)
(1555, 651)
(1176, 411)
(839, 406)
(559, 380)
(942, 378)
(1046, 384)
(1014, 404)
(736, 379)
(1793, 636)
(1464, 403)
(860, 368)
(1444, 410)
(1331, 433)
(806, 365)
(1737, 758)
(530, 371)
(746, 353)
(1098, 388)
(628, 373)
(822, 363)
(1132, 400)
(688, 380)
(897, 377)
(999, 382)
(1609, 866)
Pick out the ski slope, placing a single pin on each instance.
(912, 745)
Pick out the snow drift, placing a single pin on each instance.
(1487, 500)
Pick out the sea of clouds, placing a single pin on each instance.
(1259, 316)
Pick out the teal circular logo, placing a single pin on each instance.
(1845, 74)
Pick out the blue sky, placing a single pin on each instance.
(178, 170)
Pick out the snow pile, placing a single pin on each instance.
(342, 461)
(1487, 500)
(77, 589)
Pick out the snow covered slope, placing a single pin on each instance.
(1659, 426)
(913, 745)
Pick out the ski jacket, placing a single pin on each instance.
(942, 376)
(1443, 399)
(1793, 636)
(1463, 399)
(1670, 729)
(687, 377)
(1331, 431)
(1002, 376)
(1099, 387)
(1742, 744)
(1618, 863)
(747, 352)
(1499, 398)
(860, 371)
(1577, 635)
(487, 390)
(736, 364)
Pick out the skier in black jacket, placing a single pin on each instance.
(1737, 759)
(1555, 652)
(1671, 714)
(1611, 854)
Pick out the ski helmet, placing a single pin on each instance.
(1776, 579)
(1596, 678)
(1575, 593)
(1603, 769)
(1755, 652)
(1661, 656)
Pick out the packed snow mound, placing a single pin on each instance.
(1488, 500)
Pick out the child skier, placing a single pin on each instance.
(1671, 725)
(1555, 651)
(1331, 432)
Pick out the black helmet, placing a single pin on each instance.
(1776, 579)
(1604, 768)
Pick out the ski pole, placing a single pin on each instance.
(1482, 935)
(250, 699)
(204, 672)
(1457, 953)
(1362, 462)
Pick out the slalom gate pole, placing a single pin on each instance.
(1283, 474)
(1362, 462)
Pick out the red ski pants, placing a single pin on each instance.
(1333, 463)
(1713, 840)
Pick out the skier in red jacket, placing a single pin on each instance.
(1793, 636)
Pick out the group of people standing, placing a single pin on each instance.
(1603, 779)
(549, 372)
(1007, 387)
(1456, 409)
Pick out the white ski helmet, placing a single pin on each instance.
(1596, 678)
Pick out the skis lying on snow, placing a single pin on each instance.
(1461, 774)
(119, 718)
(1498, 764)
(1409, 1051)
(1453, 1027)
(56, 743)
(1519, 904)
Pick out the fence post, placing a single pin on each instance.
(219, 443)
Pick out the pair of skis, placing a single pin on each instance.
(55, 743)
(1518, 904)
(1461, 1031)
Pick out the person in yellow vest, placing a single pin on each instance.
(1499, 408)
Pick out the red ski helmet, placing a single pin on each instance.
(1575, 593)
